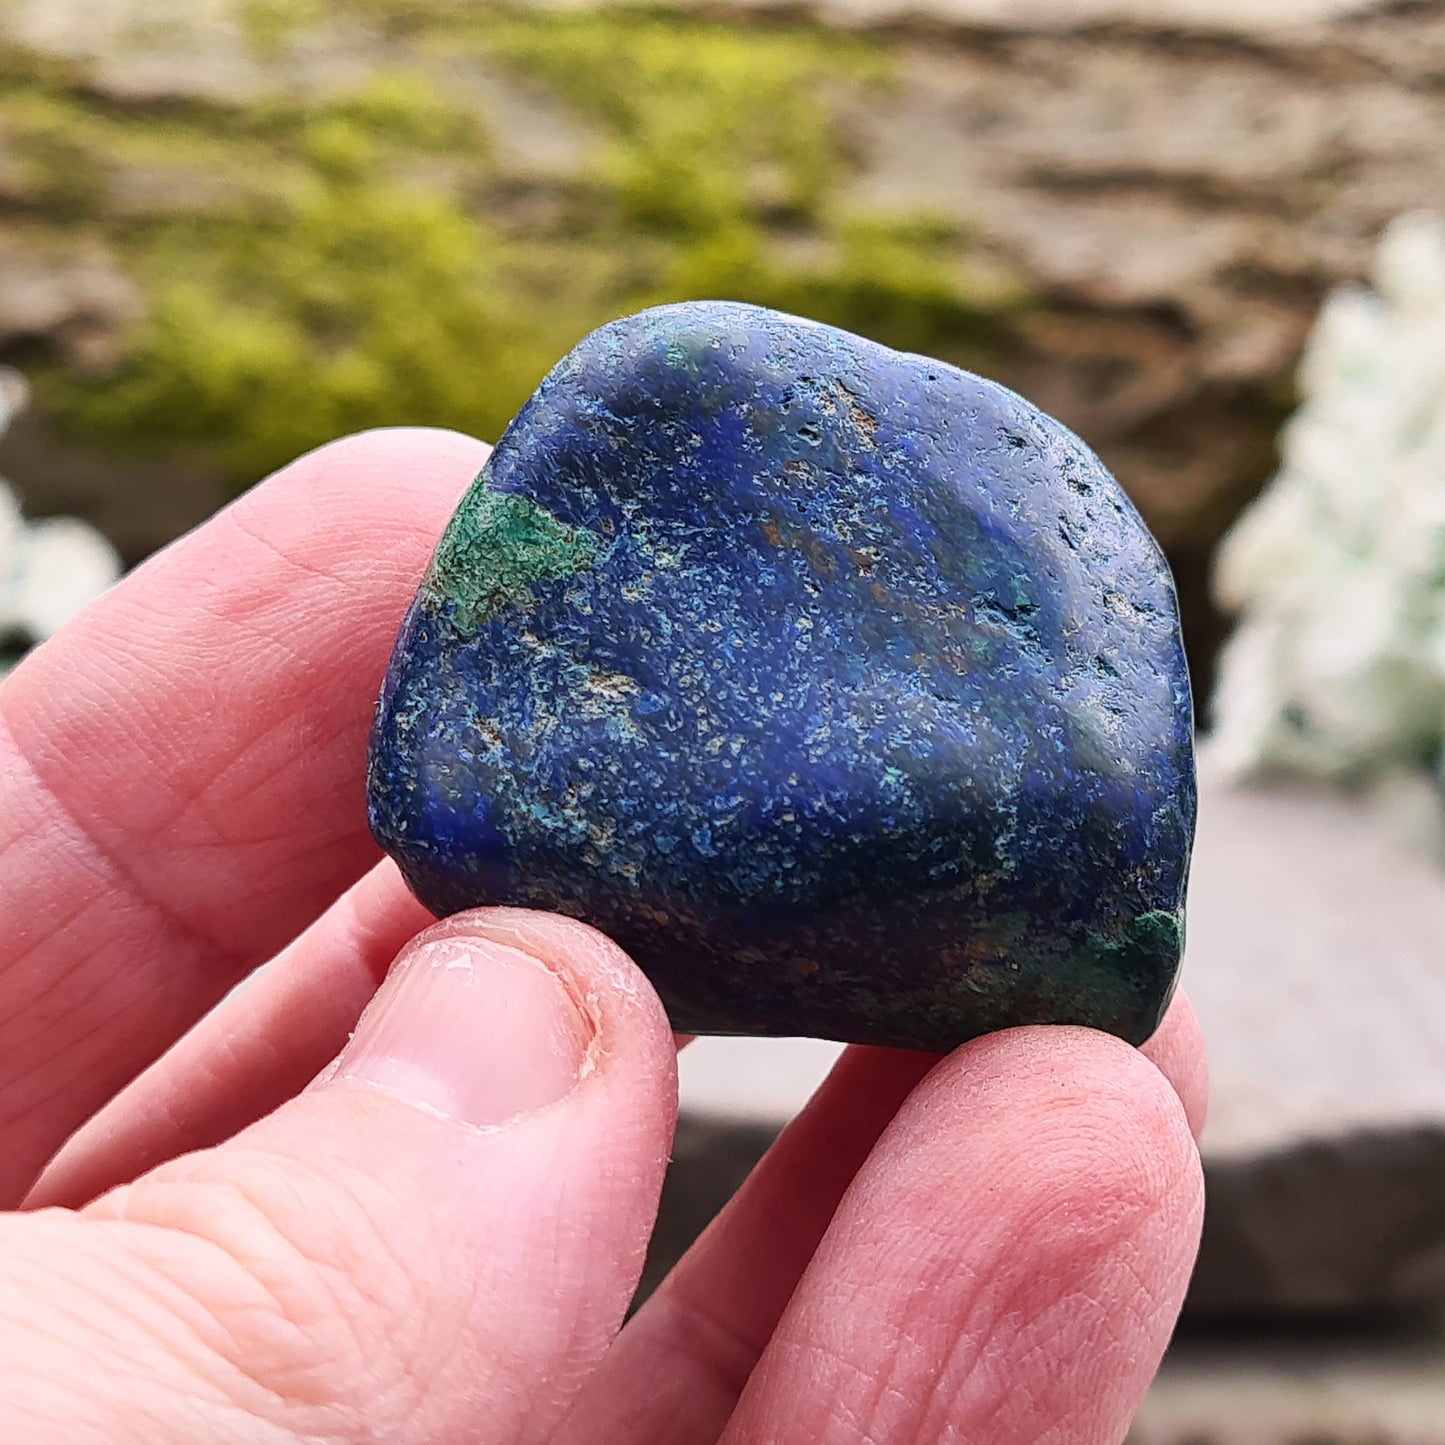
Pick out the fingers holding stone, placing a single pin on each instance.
(681, 1364)
(676, 1372)
(260, 1047)
(1177, 1051)
(181, 769)
(1007, 1265)
(436, 1242)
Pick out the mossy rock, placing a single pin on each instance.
(323, 260)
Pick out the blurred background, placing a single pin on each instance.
(1205, 234)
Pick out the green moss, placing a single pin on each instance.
(707, 124)
(404, 108)
(497, 548)
(358, 305)
(333, 261)
(900, 281)
(272, 25)
(57, 163)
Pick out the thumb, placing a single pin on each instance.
(436, 1241)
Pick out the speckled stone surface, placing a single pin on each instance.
(844, 689)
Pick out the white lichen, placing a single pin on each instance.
(49, 569)
(1337, 667)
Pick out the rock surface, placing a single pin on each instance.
(1315, 962)
(1374, 1385)
(1248, 17)
(843, 688)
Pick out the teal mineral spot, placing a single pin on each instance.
(497, 549)
(1158, 928)
(1155, 931)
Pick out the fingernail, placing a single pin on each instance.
(472, 1028)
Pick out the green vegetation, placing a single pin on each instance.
(331, 261)
(709, 128)
(272, 25)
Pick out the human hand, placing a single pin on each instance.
(435, 1237)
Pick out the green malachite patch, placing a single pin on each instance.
(497, 548)
(1157, 931)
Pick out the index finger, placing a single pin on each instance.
(182, 769)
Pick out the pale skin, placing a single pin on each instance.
(222, 1233)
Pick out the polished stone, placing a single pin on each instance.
(843, 688)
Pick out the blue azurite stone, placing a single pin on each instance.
(844, 689)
